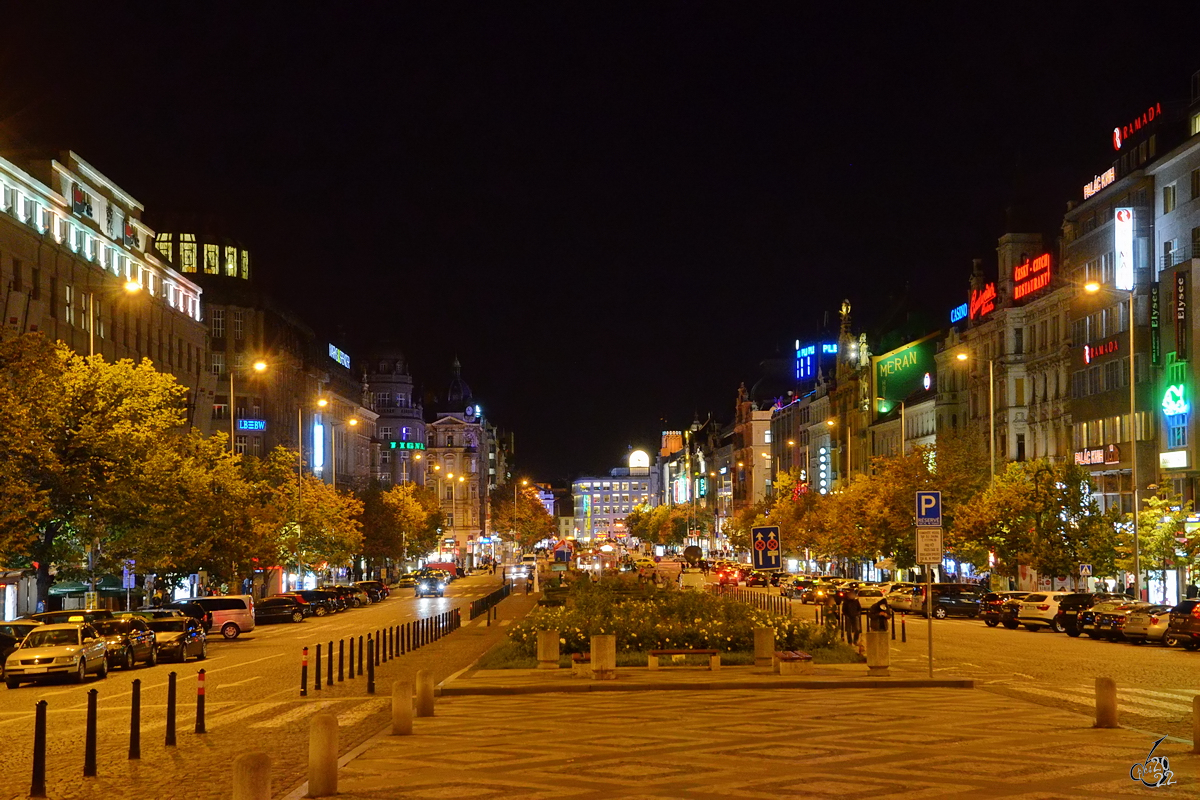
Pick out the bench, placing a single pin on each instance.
(714, 656)
(581, 664)
(793, 662)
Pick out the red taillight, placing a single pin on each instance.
(1154, 620)
(1196, 610)
(1043, 608)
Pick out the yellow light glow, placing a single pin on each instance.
(1091, 286)
(259, 366)
(450, 475)
(322, 402)
(961, 356)
(352, 421)
(831, 422)
(133, 287)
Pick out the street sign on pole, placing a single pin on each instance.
(1085, 570)
(929, 509)
(764, 548)
(929, 545)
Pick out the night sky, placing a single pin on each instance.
(611, 213)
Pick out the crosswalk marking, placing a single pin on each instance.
(295, 715)
(1126, 702)
(361, 712)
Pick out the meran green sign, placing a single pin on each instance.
(905, 370)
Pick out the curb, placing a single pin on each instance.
(606, 686)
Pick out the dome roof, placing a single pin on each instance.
(457, 392)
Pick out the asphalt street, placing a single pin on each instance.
(252, 702)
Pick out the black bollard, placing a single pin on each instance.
(360, 655)
(903, 630)
(893, 616)
(170, 710)
(342, 659)
(377, 649)
(304, 673)
(317, 676)
(135, 720)
(372, 654)
(389, 652)
(200, 701)
(37, 788)
(329, 666)
(352, 658)
(89, 741)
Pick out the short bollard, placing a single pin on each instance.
(37, 787)
(135, 720)
(1106, 703)
(360, 655)
(352, 658)
(424, 693)
(329, 666)
(903, 629)
(377, 647)
(547, 649)
(764, 647)
(304, 673)
(89, 741)
(252, 777)
(402, 708)
(317, 671)
(893, 627)
(1196, 724)
(322, 755)
(342, 659)
(170, 742)
(372, 655)
(200, 702)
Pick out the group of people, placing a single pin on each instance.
(849, 610)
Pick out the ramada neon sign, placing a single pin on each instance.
(1032, 275)
(1122, 133)
(1094, 351)
(983, 301)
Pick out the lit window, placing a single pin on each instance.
(164, 245)
(211, 254)
(1168, 199)
(239, 445)
(187, 252)
(245, 266)
(230, 261)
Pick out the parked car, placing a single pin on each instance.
(1184, 625)
(1106, 619)
(905, 598)
(128, 640)
(152, 613)
(951, 600)
(279, 608)
(195, 611)
(180, 637)
(321, 602)
(71, 650)
(991, 607)
(378, 587)
(8, 643)
(75, 616)
(18, 628)
(1147, 623)
(352, 596)
(1073, 604)
(232, 614)
(1040, 610)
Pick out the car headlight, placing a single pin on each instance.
(64, 659)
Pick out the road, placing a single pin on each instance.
(252, 702)
(1155, 684)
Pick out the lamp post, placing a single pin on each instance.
(903, 431)
(1093, 288)
(333, 426)
(258, 366)
(991, 414)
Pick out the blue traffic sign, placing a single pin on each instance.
(764, 548)
(929, 509)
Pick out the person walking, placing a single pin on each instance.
(852, 613)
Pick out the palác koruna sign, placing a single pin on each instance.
(1125, 131)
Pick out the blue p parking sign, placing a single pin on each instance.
(929, 509)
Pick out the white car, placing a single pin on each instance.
(70, 649)
(1040, 610)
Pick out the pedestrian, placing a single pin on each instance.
(529, 583)
(1192, 591)
(852, 611)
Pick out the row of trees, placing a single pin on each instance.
(521, 515)
(99, 469)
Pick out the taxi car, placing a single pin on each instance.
(68, 649)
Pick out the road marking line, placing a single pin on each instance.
(506, 622)
(1088, 698)
(361, 712)
(295, 715)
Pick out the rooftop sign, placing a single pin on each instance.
(1031, 276)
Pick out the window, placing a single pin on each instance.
(1168, 252)
(35, 283)
(211, 256)
(245, 266)
(1177, 431)
(1019, 392)
(187, 252)
(1195, 175)
(237, 324)
(385, 457)
(231, 261)
(239, 445)
(164, 245)
(68, 303)
(1168, 199)
(385, 434)
(256, 447)
(217, 363)
(218, 323)
(1018, 341)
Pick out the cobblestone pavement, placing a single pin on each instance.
(890, 743)
(252, 702)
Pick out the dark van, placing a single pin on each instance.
(951, 600)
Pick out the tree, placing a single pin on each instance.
(80, 438)
(1160, 521)
(417, 516)
(527, 518)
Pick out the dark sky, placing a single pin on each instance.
(611, 213)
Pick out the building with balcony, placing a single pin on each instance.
(401, 422)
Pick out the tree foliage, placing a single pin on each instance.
(525, 520)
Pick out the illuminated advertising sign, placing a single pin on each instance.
(1174, 402)
(318, 453)
(1176, 459)
(1122, 133)
(983, 302)
(1181, 314)
(1094, 351)
(903, 371)
(807, 361)
(823, 469)
(1100, 455)
(958, 313)
(1031, 276)
(1155, 317)
(340, 357)
(406, 446)
(1099, 182)
(251, 425)
(1123, 245)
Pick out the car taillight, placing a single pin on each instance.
(1196, 610)
(1154, 620)
(1043, 608)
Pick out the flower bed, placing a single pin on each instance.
(648, 619)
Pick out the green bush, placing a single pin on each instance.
(644, 618)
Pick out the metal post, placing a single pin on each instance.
(342, 659)
(372, 654)
(377, 649)
(352, 659)
(317, 677)
(170, 742)
(89, 741)
(200, 701)
(361, 649)
(135, 720)
(929, 613)
(329, 666)
(903, 628)
(37, 788)
(304, 673)
(991, 426)
(1137, 548)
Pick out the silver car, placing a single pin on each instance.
(69, 649)
(1147, 624)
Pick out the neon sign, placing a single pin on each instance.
(1174, 402)
(823, 469)
(958, 313)
(1122, 133)
(251, 425)
(406, 446)
(1099, 182)
(983, 301)
(1181, 315)
(1091, 352)
(1030, 276)
(1123, 243)
(340, 357)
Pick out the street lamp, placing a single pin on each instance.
(991, 414)
(333, 426)
(1092, 288)
(845, 446)
(258, 366)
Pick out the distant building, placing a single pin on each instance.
(401, 424)
(602, 503)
